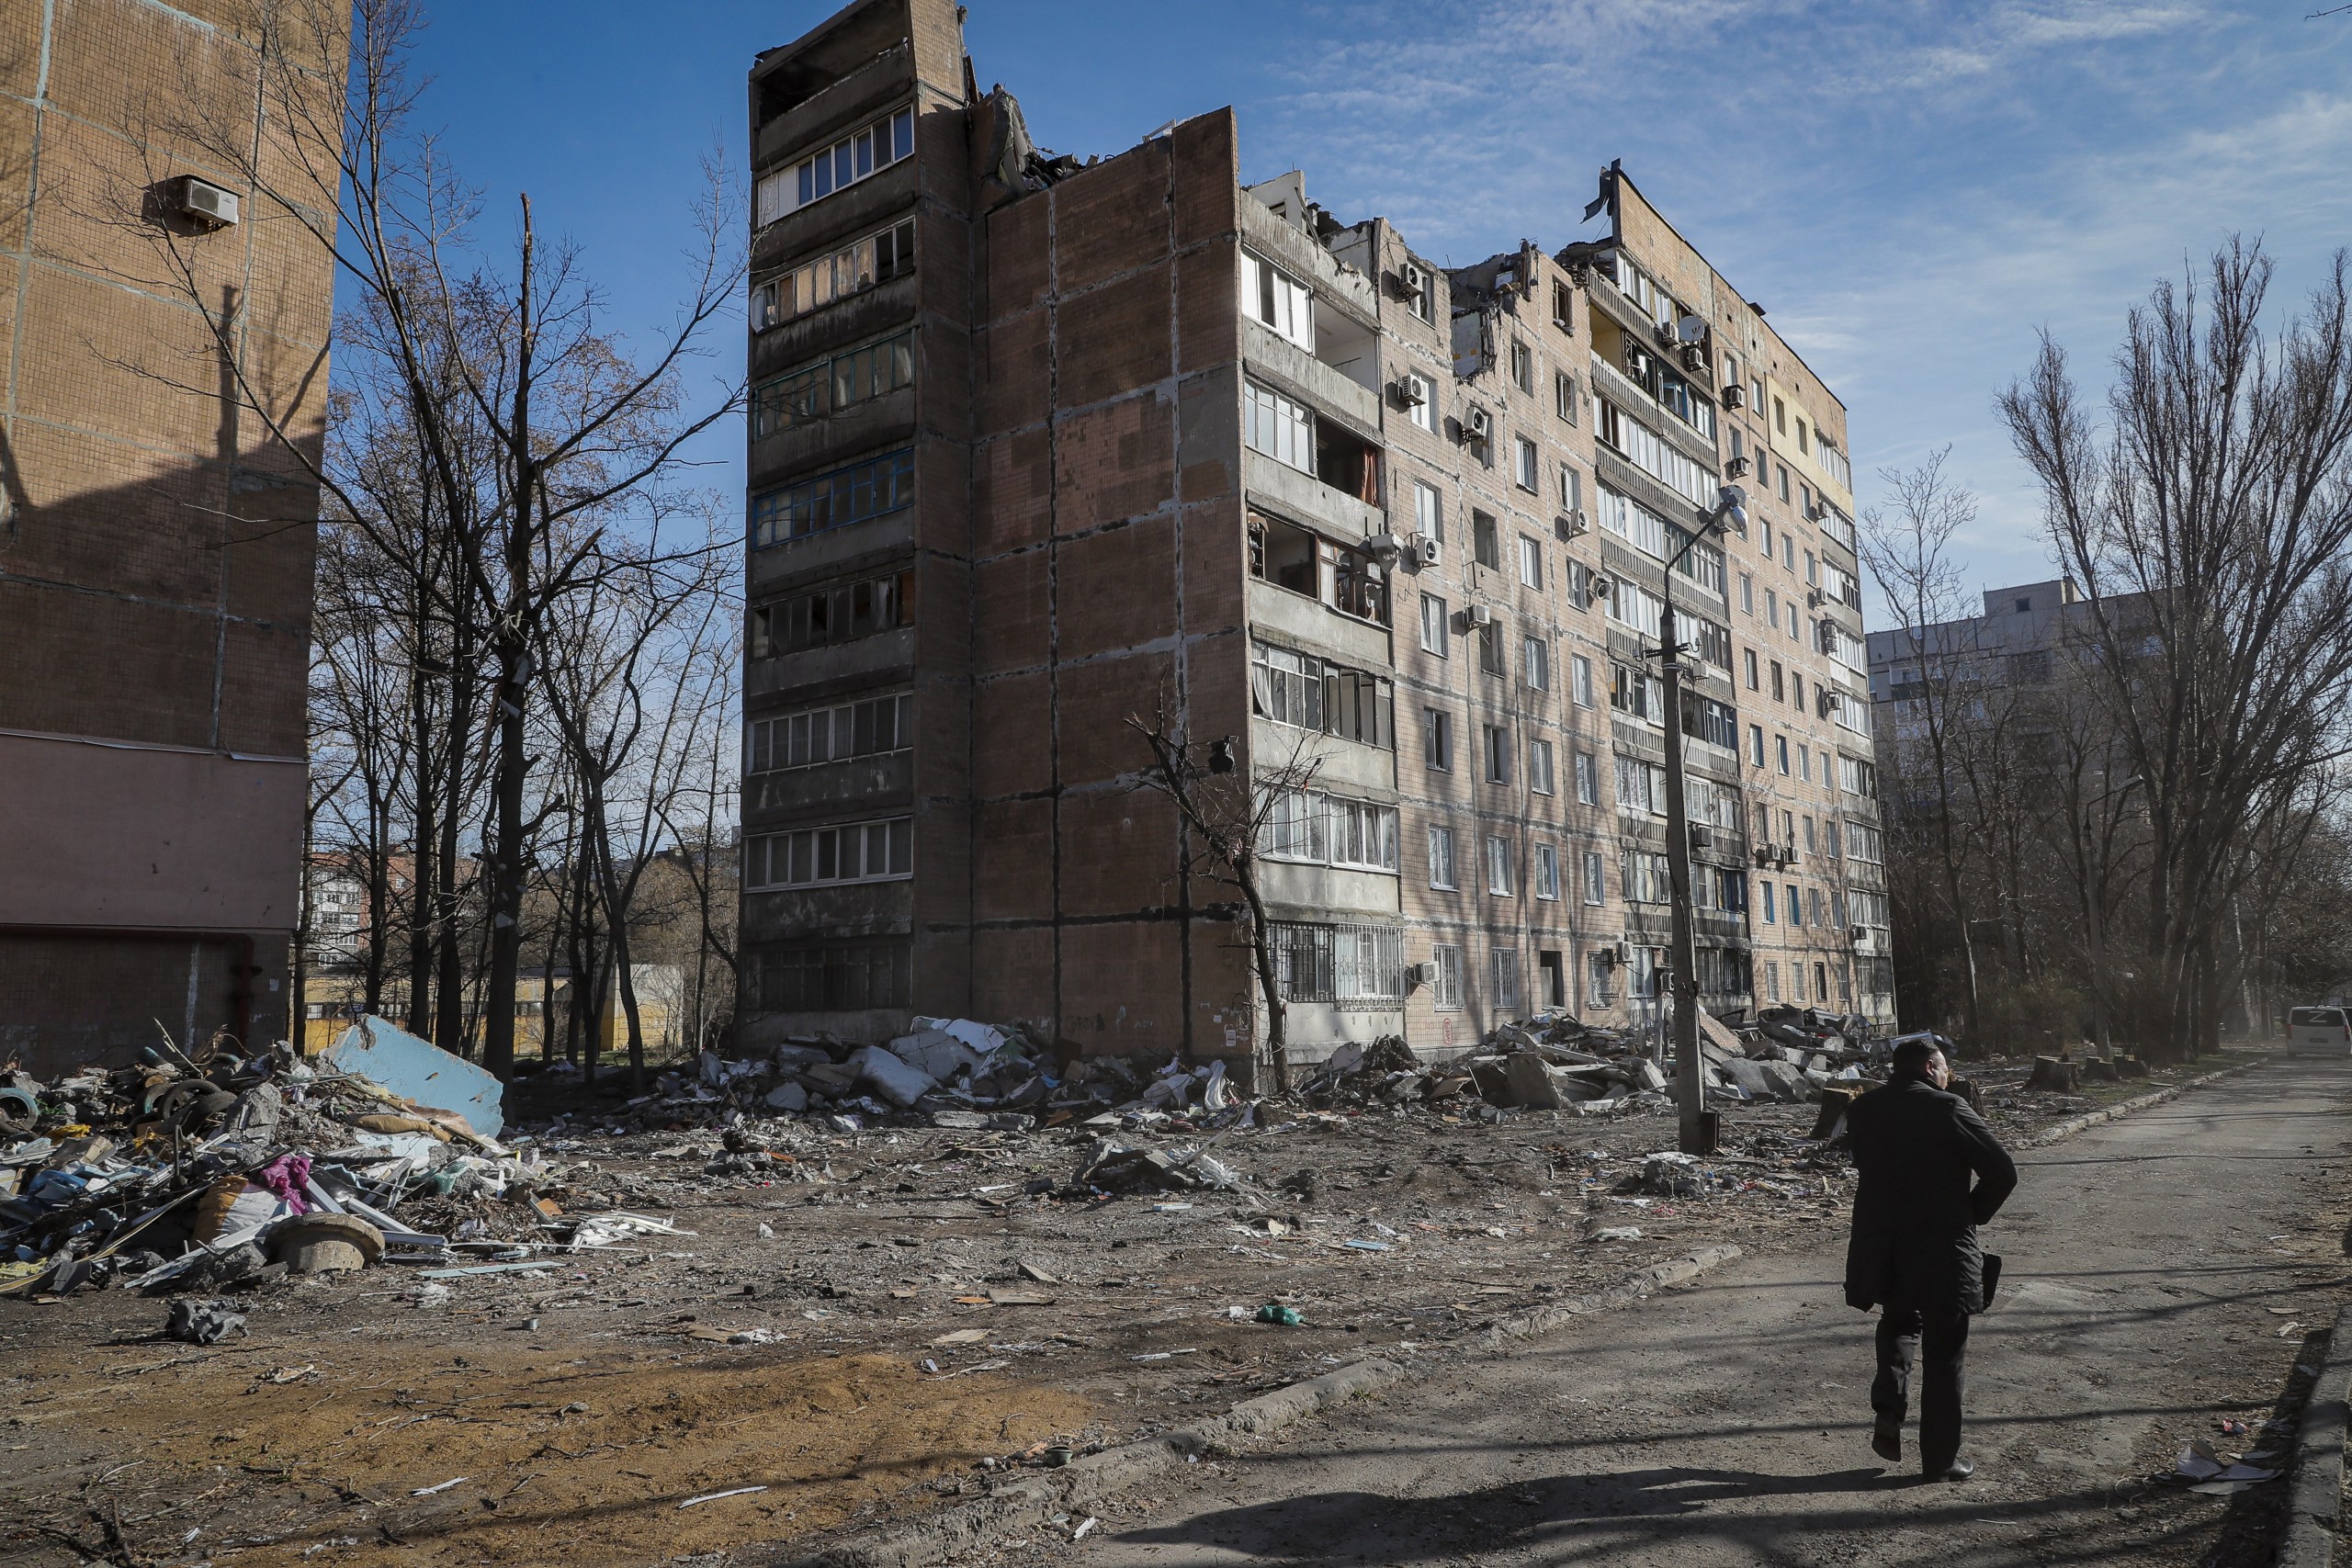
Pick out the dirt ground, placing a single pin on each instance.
(917, 1314)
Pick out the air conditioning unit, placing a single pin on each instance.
(1413, 279)
(1765, 854)
(1478, 424)
(1736, 468)
(1857, 933)
(1827, 630)
(200, 201)
(1598, 589)
(1571, 526)
(1694, 357)
(1426, 546)
(1420, 974)
(1701, 838)
(1812, 598)
(1385, 546)
(1735, 395)
(1478, 615)
(1407, 393)
(1788, 856)
(1826, 702)
(1623, 953)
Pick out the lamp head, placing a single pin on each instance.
(1731, 509)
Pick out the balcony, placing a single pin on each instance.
(1341, 378)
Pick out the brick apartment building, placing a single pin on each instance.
(155, 547)
(1039, 446)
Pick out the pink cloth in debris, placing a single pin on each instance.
(288, 1176)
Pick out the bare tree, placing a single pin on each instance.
(1909, 552)
(2207, 525)
(1227, 820)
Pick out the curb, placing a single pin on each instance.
(937, 1537)
(2316, 1494)
(2074, 1124)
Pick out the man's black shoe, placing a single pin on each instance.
(1886, 1440)
(1960, 1469)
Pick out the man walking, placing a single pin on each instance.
(1914, 1253)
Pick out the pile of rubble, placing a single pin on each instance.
(224, 1171)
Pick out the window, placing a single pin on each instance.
(1803, 447)
(1647, 878)
(1424, 395)
(1537, 662)
(1522, 366)
(1596, 889)
(1587, 779)
(1498, 754)
(1794, 635)
(1328, 829)
(1571, 490)
(1564, 395)
(1442, 858)
(1564, 308)
(1547, 873)
(1598, 966)
(1295, 688)
(858, 493)
(825, 735)
(857, 851)
(1506, 980)
(1631, 604)
(1484, 543)
(1539, 766)
(1780, 689)
(1804, 764)
(1764, 536)
(1358, 965)
(1856, 777)
(1714, 722)
(1581, 679)
(1640, 696)
(1530, 561)
(1437, 740)
(1810, 846)
(1499, 878)
(1636, 525)
(1820, 982)
(1784, 468)
(854, 268)
(1812, 567)
(830, 386)
(832, 615)
(832, 977)
(1280, 428)
(1445, 993)
(1813, 903)
(1490, 649)
(1429, 510)
(1779, 416)
(1749, 656)
(1524, 466)
(1796, 690)
(1433, 625)
(1275, 300)
(1863, 843)
(861, 156)
(1755, 745)
(1649, 452)
(1641, 787)
(1770, 905)
(1771, 980)
(1780, 746)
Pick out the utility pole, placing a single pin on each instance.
(1697, 1133)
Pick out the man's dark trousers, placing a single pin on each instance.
(1901, 1331)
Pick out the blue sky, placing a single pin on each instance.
(1911, 188)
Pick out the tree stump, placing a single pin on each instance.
(1834, 1102)
(2050, 1073)
(1969, 1090)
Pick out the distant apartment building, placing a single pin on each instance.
(1040, 450)
(155, 547)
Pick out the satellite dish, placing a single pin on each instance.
(1690, 329)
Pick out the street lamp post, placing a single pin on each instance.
(1731, 510)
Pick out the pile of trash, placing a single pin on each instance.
(224, 1171)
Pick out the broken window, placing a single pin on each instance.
(1564, 308)
(1484, 543)
(830, 386)
(1437, 740)
(1299, 689)
(1523, 365)
(833, 614)
(854, 268)
(865, 728)
(1498, 754)
(832, 977)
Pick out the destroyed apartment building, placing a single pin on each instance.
(1042, 447)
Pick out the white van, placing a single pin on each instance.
(2326, 1030)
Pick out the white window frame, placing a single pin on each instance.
(896, 846)
(1505, 966)
(1539, 766)
(1531, 563)
(1596, 878)
(1443, 870)
(1424, 411)
(1428, 510)
(1277, 301)
(1588, 777)
(1435, 626)
(1277, 427)
(1535, 657)
(1526, 466)
(1445, 991)
(785, 190)
(1581, 679)
(1547, 873)
(1499, 879)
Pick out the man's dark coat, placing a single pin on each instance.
(1914, 1214)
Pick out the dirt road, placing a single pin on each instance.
(2158, 1269)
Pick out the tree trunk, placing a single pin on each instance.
(510, 776)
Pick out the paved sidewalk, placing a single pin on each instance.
(2153, 1265)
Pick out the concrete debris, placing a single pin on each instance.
(204, 1322)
